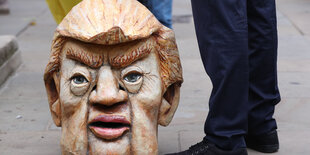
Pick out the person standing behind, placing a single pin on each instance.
(238, 46)
(162, 10)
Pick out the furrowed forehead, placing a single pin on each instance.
(118, 56)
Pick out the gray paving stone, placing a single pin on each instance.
(189, 138)
(30, 143)
(22, 13)
(294, 110)
(297, 11)
(285, 27)
(27, 85)
(182, 7)
(168, 142)
(291, 65)
(293, 47)
(34, 115)
(294, 84)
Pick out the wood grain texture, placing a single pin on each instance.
(101, 39)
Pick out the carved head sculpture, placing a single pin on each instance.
(114, 74)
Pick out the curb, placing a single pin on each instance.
(10, 57)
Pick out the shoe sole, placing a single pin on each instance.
(265, 148)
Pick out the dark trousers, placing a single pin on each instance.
(238, 46)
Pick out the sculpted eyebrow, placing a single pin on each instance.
(127, 58)
(90, 59)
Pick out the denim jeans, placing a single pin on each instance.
(162, 10)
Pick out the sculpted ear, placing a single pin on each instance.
(52, 89)
(169, 104)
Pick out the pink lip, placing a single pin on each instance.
(109, 133)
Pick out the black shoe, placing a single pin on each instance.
(267, 143)
(207, 148)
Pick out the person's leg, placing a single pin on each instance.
(263, 88)
(222, 34)
(162, 9)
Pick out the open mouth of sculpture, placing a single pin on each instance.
(109, 127)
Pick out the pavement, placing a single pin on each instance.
(10, 56)
(26, 126)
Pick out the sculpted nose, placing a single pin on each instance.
(107, 90)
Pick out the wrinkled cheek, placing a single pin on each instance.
(144, 127)
(74, 127)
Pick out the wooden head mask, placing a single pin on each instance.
(114, 74)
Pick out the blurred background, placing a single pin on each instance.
(26, 127)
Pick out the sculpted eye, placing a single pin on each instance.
(133, 80)
(79, 85)
(79, 79)
(132, 77)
